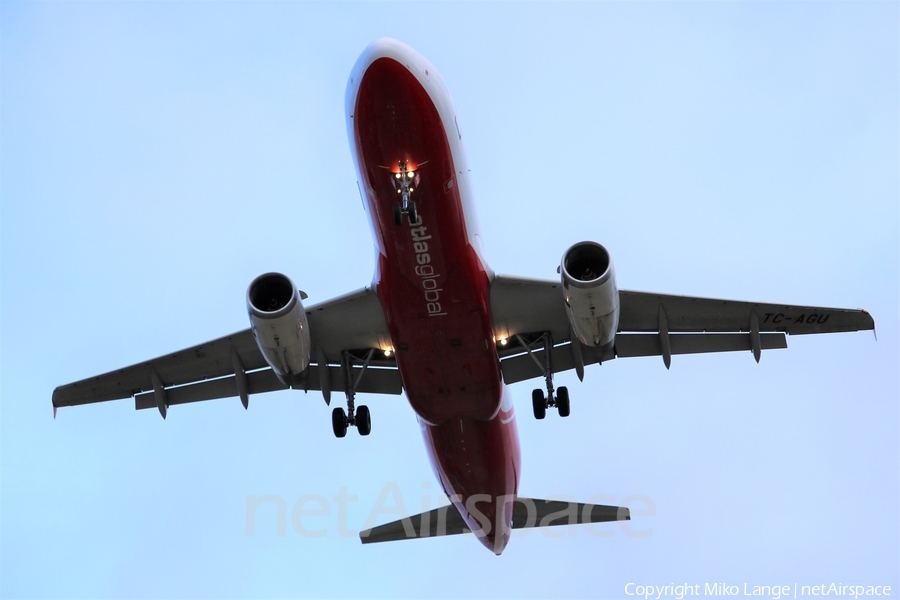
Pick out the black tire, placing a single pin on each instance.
(398, 213)
(363, 420)
(412, 213)
(538, 404)
(562, 401)
(339, 422)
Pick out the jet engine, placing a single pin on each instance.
(279, 324)
(589, 288)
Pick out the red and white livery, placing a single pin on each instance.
(439, 325)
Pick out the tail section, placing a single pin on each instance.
(527, 513)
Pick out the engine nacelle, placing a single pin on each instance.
(279, 325)
(589, 288)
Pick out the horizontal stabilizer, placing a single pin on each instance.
(527, 513)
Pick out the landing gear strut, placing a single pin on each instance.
(353, 417)
(539, 402)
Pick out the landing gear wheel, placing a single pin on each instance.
(562, 401)
(538, 404)
(412, 213)
(398, 214)
(363, 420)
(339, 422)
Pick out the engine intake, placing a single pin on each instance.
(279, 325)
(589, 288)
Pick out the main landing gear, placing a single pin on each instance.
(403, 182)
(540, 402)
(353, 417)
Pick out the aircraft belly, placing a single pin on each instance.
(435, 293)
(432, 285)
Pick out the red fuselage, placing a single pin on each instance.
(433, 285)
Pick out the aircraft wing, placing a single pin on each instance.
(353, 322)
(640, 312)
(649, 325)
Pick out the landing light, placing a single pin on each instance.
(503, 341)
(388, 351)
(397, 175)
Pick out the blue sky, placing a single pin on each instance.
(156, 157)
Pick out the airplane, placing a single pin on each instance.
(440, 326)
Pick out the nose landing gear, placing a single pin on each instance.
(404, 182)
